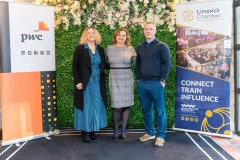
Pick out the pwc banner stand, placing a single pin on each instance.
(203, 67)
(27, 72)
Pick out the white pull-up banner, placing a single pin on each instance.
(203, 67)
(27, 72)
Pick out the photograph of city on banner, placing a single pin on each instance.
(205, 52)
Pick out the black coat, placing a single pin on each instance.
(81, 67)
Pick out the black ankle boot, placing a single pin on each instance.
(123, 134)
(92, 136)
(85, 137)
(115, 135)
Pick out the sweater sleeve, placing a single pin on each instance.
(138, 63)
(166, 61)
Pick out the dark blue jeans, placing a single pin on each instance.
(151, 93)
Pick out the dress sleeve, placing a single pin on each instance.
(134, 54)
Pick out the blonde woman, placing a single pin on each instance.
(121, 82)
(90, 89)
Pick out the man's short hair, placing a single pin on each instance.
(150, 22)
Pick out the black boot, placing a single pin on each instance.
(115, 135)
(92, 136)
(85, 137)
(123, 134)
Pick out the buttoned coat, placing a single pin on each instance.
(82, 70)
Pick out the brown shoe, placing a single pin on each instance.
(159, 142)
(146, 137)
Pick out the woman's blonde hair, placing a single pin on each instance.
(128, 40)
(83, 38)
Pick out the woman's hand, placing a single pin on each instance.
(79, 86)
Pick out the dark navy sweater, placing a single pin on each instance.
(153, 62)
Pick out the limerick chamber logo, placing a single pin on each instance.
(42, 26)
(188, 15)
(217, 121)
(188, 108)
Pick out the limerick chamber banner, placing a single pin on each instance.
(203, 67)
(27, 72)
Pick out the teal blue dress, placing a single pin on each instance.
(93, 117)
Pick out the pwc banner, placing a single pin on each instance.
(203, 67)
(27, 72)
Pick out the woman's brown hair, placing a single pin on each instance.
(128, 40)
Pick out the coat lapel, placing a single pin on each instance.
(87, 59)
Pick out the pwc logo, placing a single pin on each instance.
(42, 26)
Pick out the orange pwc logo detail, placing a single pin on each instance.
(42, 27)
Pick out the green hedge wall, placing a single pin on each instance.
(66, 41)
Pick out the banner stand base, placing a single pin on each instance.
(5, 143)
(203, 133)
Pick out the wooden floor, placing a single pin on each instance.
(230, 145)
